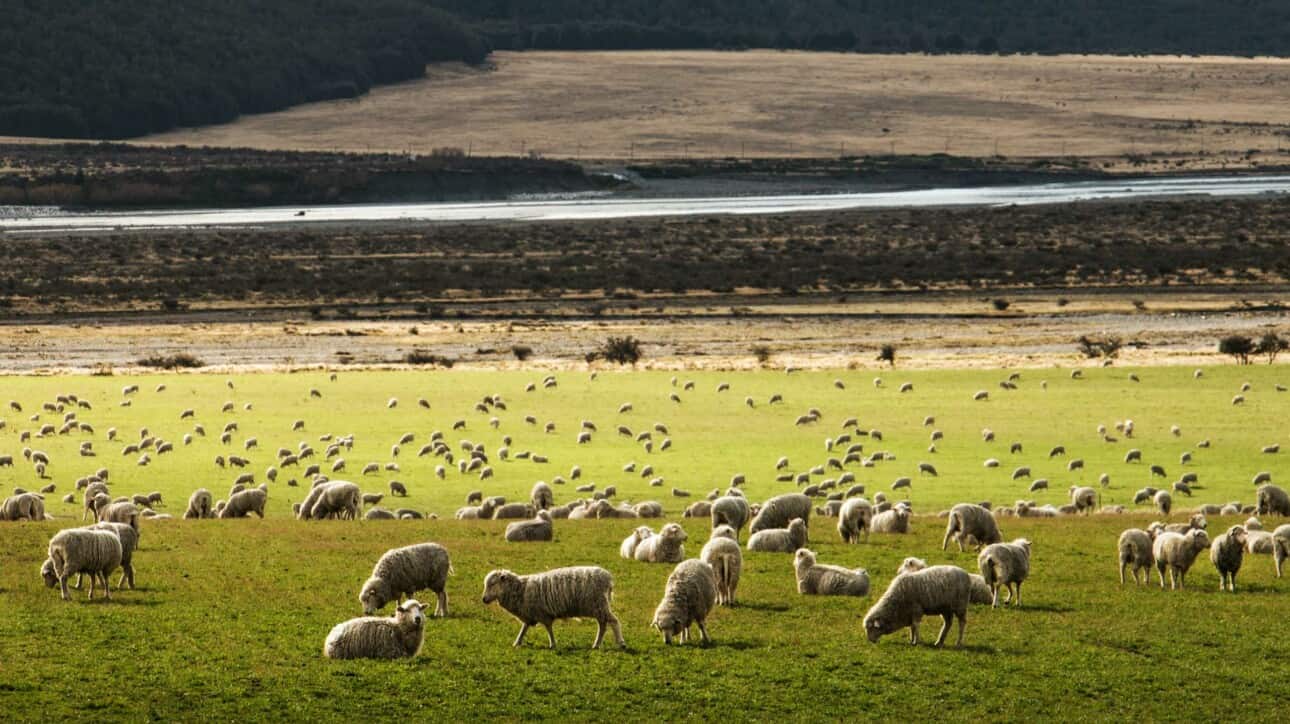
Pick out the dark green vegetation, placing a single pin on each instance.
(158, 64)
(121, 68)
(1193, 243)
(108, 175)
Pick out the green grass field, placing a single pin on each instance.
(229, 617)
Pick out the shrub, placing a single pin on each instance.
(762, 353)
(887, 353)
(522, 352)
(421, 357)
(1238, 346)
(179, 360)
(1001, 304)
(1092, 348)
(1271, 345)
(621, 350)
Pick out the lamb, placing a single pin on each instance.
(1135, 550)
(1177, 551)
(818, 579)
(942, 591)
(690, 595)
(853, 519)
(895, 520)
(375, 637)
(246, 502)
(780, 510)
(722, 552)
(538, 529)
(667, 546)
(627, 549)
(1226, 553)
(731, 510)
(1272, 500)
(332, 499)
(1008, 565)
(542, 497)
(404, 571)
(967, 520)
(581, 591)
(1280, 546)
(82, 550)
(779, 540)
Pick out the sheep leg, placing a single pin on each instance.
(1160, 568)
(703, 634)
(62, 583)
(612, 620)
(948, 619)
(93, 579)
(107, 587)
(600, 634)
(550, 635)
(79, 577)
(1018, 593)
(441, 608)
(994, 596)
(1124, 565)
(913, 633)
(524, 628)
(962, 616)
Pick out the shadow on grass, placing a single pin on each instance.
(777, 607)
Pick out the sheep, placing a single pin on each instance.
(376, 637)
(82, 550)
(1280, 546)
(722, 552)
(853, 519)
(731, 510)
(1261, 478)
(1226, 553)
(120, 512)
(967, 520)
(23, 506)
(1083, 498)
(981, 593)
(379, 514)
(398, 489)
(818, 579)
(333, 499)
(1021, 472)
(698, 509)
(689, 596)
(1176, 552)
(895, 520)
(1164, 501)
(667, 546)
(541, 497)
(627, 549)
(511, 511)
(199, 505)
(779, 540)
(404, 571)
(1272, 500)
(129, 542)
(538, 529)
(1038, 484)
(648, 509)
(373, 498)
(246, 502)
(1134, 548)
(1007, 565)
(1197, 521)
(944, 591)
(575, 592)
(780, 510)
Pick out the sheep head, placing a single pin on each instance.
(498, 583)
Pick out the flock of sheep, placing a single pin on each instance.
(779, 525)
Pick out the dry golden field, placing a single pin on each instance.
(612, 105)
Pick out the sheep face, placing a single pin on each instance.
(875, 628)
(909, 565)
(374, 596)
(1238, 534)
(669, 624)
(48, 573)
(497, 583)
(672, 531)
(804, 558)
(412, 611)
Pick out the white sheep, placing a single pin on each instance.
(731, 510)
(690, 594)
(779, 540)
(723, 553)
(968, 521)
(667, 546)
(575, 592)
(853, 519)
(82, 550)
(246, 502)
(1226, 553)
(894, 520)
(1177, 552)
(819, 579)
(1007, 565)
(627, 549)
(538, 529)
(779, 510)
(944, 591)
(1280, 546)
(404, 571)
(1134, 547)
(373, 637)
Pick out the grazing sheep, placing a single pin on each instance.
(1007, 565)
(981, 593)
(1177, 552)
(970, 521)
(723, 553)
(698, 509)
(944, 591)
(853, 519)
(1280, 546)
(690, 595)
(780, 510)
(333, 499)
(404, 571)
(1021, 472)
(129, 542)
(199, 505)
(1084, 499)
(23, 506)
(779, 540)
(82, 550)
(1038, 484)
(648, 509)
(398, 489)
(538, 529)
(627, 549)
(818, 579)
(731, 510)
(542, 497)
(576, 592)
(373, 637)
(1164, 501)
(1261, 478)
(894, 520)
(1135, 550)
(1272, 500)
(667, 546)
(1226, 553)
(1196, 521)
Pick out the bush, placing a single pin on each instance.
(621, 350)
(522, 352)
(1001, 304)
(1092, 348)
(887, 353)
(1238, 346)
(180, 360)
(1271, 345)
(421, 357)
(762, 353)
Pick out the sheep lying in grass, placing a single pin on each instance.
(667, 546)
(819, 579)
(970, 522)
(627, 549)
(1006, 565)
(853, 519)
(1197, 521)
(404, 571)
(1226, 553)
(779, 540)
(1134, 549)
(691, 594)
(722, 552)
(779, 510)
(895, 520)
(82, 550)
(944, 591)
(373, 637)
(575, 592)
(538, 529)
(1177, 552)
(23, 506)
